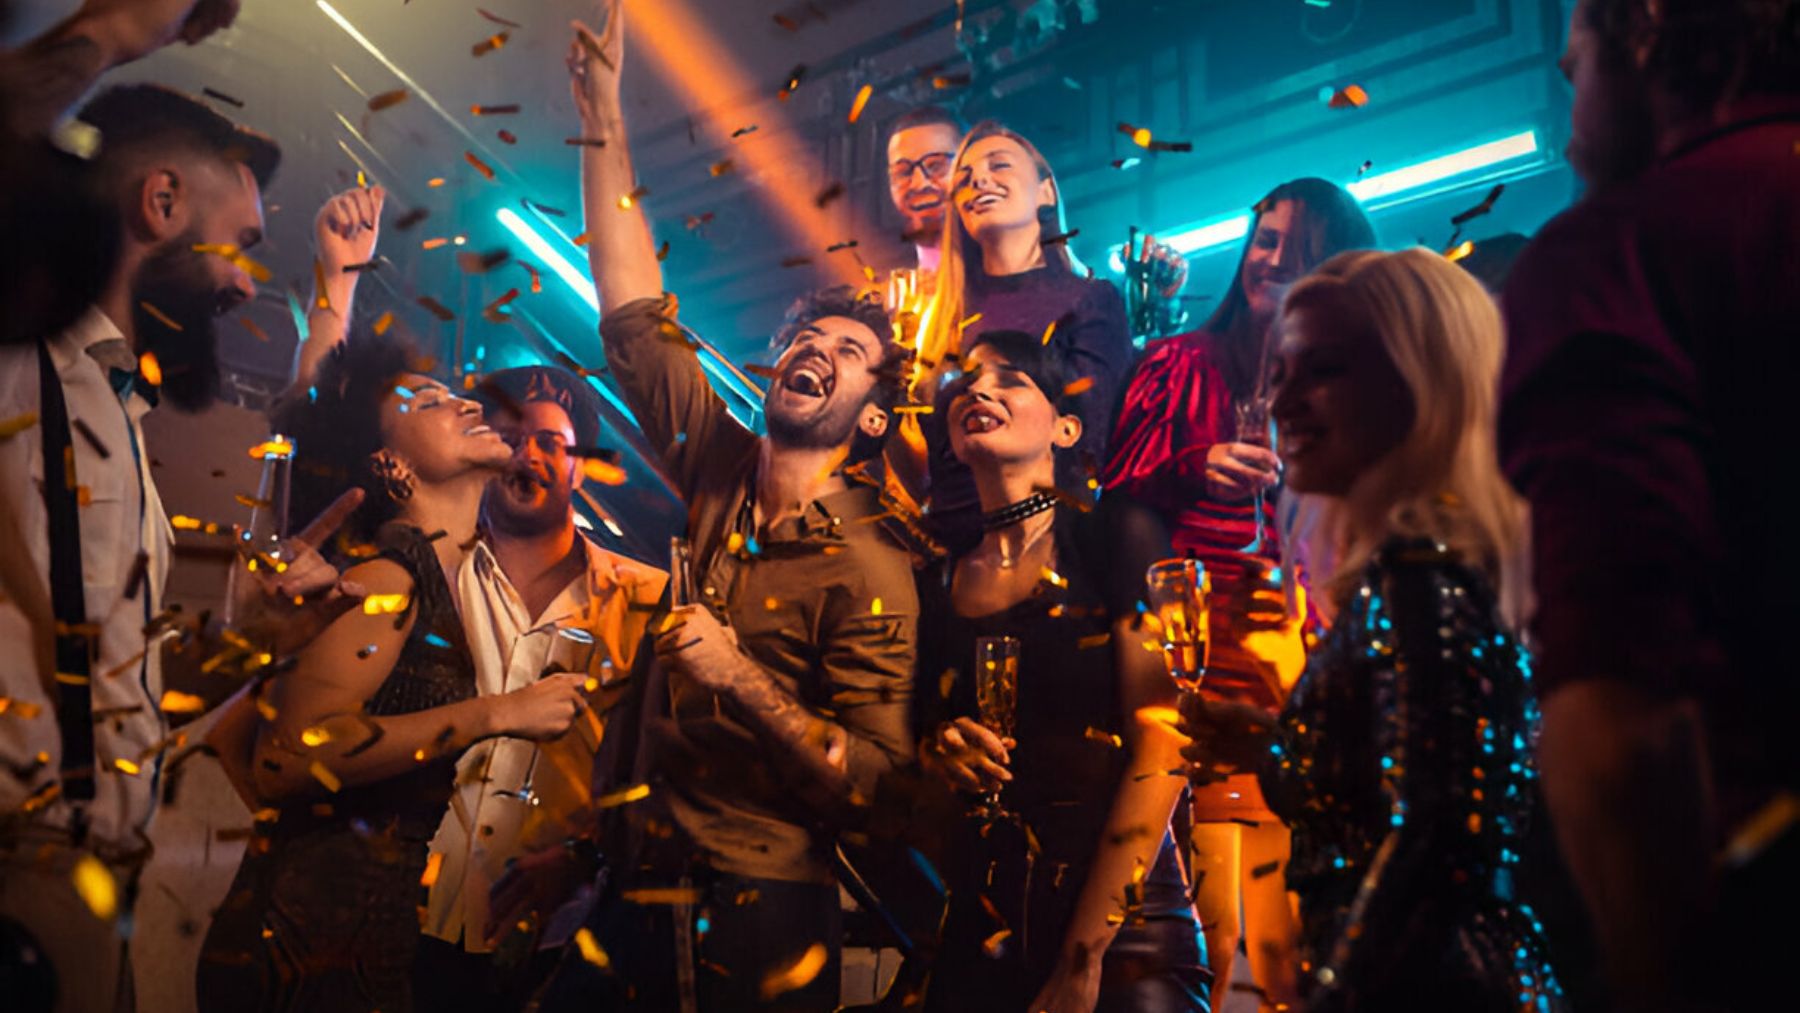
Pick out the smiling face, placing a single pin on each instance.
(820, 394)
(1340, 403)
(535, 493)
(919, 160)
(441, 436)
(1275, 258)
(1000, 417)
(998, 187)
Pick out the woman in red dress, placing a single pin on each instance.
(1191, 442)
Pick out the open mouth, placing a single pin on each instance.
(980, 419)
(1297, 442)
(810, 376)
(478, 430)
(523, 483)
(982, 203)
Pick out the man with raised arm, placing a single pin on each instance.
(782, 692)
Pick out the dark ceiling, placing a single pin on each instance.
(1240, 79)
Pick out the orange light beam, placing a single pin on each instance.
(690, 57)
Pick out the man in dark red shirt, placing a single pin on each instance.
(1654, 352)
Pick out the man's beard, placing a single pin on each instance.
(174, 281)
(834, 427)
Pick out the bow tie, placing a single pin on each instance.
(126, 382)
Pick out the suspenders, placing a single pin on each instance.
(68, 594)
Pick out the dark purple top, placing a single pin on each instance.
(1092, 329)
(1646, 414)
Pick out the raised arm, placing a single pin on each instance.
(344, 235)
(621, 252)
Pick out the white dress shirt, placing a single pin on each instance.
(484, 828)
(121, 515)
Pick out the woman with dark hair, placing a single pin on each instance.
(1005, 266)
(355, 758)
(1079, 903)
(1178, 448)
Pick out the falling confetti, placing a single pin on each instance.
(862, 99)
(1101, 735)
(385, 604)
(662, 895)
(848, 244)
(160, 316)
(875, 607)
(797, 975)
(388, 99)
(92, 438)
(489, 44)
(500, 110)
(1348, 97)
(324, 776)
(507, 137)
(95, 885)
(482, 263)
(625, 796)
(436, 309)
(721, 167)
(1078, 387)
(584, 142)
(1460, 251)
(150, 369)
(480, 166)
(1486, 205)
(433, 866)
(604, 472)
(222, 97)
(741, 131)
(434, 243)
(17, 424)
(590, 949)
(628, 199)
(793, 81)
(1060, 237)
(829, 194)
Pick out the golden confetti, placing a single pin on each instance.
(1100, 735)
(1460, 251)
(160, 316)
(875, 607)
(277, 448)
(637, 193)
(433, 866)
(771, 604)
(482, 167)
(582, 239)
(992, 945)
(913, 409)
(125, 766)
(1081, 386)
(1141, 137)
(1048, 331)
(590, 949)
(176, 702)
(1350, 96)
(662, 895)
(17, 424)
(1053, 578)
(324, 776)
(387, 99)
(1097, 640)
(320, 300)
(239, 259)
(23, 709)
(720, 168)
(489, 44)
(797, 975)
(604, 472)
(316, 736)
(435, 182)
(624, 796)
(434, 243)
(436, 309)
(862, 99)
(386, 321)
(95, 884)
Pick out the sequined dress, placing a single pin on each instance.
(324, 912)
(1403, 764)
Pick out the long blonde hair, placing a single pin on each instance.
(1443, 333)
(940, 333)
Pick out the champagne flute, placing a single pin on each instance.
(1255, 428)
(1176, 590)
(996, 701)
(681, 573)
(571, 650)
(259, 544)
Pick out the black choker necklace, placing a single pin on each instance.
(1013, 513)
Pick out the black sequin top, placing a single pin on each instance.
(1403, 764)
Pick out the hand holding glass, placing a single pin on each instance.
(571, 650)
(1176, 591)
(996, 700)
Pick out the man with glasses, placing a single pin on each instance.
(532, 576)
(920, 150)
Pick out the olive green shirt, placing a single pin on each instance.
(824, 602)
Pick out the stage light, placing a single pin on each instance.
(1467, 167)
(541, 248)
(722, 371)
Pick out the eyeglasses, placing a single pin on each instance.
(548, 442)
(936, 165)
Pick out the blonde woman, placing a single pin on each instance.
(1005, 266)
(1402, 760)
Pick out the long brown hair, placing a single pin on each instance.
(940, 333)
(1328, 221)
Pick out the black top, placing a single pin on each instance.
(323, 912)
(1066, 769)
(1090, 325)
(1403, 765)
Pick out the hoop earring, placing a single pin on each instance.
(395, 475)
